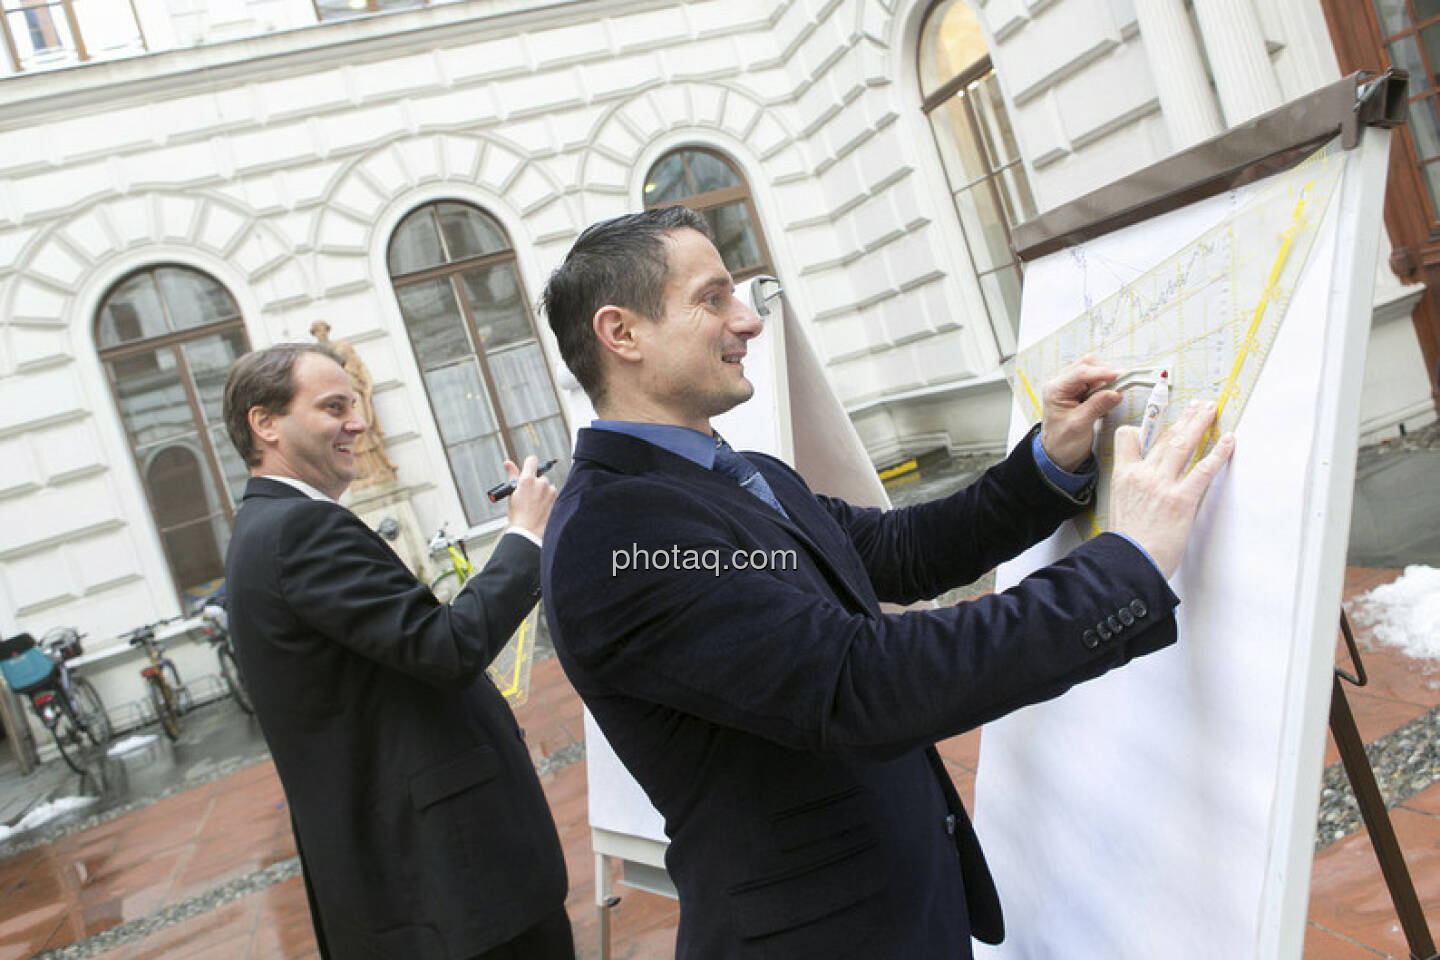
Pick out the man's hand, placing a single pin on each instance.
(1153, 501)
(1067, 422)
(533, 497)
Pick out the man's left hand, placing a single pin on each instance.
(1067, 422)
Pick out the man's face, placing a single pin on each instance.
(314, 440)
(693, 356)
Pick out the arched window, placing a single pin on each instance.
(709, 184)
(982, 162)
(167, 336)
(469, 322)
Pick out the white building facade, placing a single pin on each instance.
(192, 179)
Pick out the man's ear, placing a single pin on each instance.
(264, 424)
(615, 328)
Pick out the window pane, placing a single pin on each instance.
(461, 405)
(1002, 296)
(544, 439)
(132, 312)
(151, 398)
(468, 232)
(193, 299)
(1015, 191)
(436, 325)
(209, 360)
(195, 556)
(708, 172)
(1432, 183)
(182, 499)
(478, 465)
(1430, 37)
(964, 161)
(980, 218)
(994, 123)
(1393, 16)
(1424, 9)
(734, 236)
(1424, 123)
(108, 28)
(339, 9)
(1404, 53)
(231, 466)
(416, 245)
(500, 313)
(666, 183)
(949, 43)
(523, 386)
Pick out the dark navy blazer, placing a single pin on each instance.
(782, 724)
(422, 827)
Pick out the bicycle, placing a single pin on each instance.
(168, 696)
(510, 671)
(66, 704)
(446, 584)
(216, 627)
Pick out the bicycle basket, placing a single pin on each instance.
(25, 666)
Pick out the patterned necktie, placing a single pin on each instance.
(742, 471)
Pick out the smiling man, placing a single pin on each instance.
(421, 826)
(781, 723)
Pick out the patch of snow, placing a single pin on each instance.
(1405, 613)
(130, 744)
(44, 813)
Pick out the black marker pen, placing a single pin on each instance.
(502, 490)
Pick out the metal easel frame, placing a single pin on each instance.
(1372, 806)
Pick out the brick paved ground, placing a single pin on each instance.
(183, 849)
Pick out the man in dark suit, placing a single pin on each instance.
(781, 723)
(421, 825)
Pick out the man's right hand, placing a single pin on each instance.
(530, 504)
(1153, 500)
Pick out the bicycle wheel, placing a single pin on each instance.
(445, 586)
(90, 711)
(230, 670)
(68, 738)
(179, 693)
(163, 702)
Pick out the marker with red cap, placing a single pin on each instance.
(1154, 410)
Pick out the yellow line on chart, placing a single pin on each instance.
(1227, 389)
(1030, 393)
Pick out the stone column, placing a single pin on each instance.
(1244, 76)
(1181, 82)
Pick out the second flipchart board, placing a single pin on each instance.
(1168, 809)
(794, 415)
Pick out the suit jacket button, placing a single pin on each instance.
(1091, 639)
(1126, 617)
(1138, 608)
(1113, 622)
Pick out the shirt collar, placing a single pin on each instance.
(697, 447)
(300, 485)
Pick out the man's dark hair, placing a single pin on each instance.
(264, 378)
(621, 262)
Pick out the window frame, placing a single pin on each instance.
(453, 271)
(171, 340)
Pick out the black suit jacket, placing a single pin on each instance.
(782, 724)
(420, 820)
